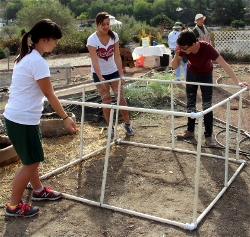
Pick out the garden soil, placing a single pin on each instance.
(145, 179)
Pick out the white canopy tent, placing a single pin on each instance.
(114, 22)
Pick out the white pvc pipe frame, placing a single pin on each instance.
(196, 219)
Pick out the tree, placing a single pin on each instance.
(171, 6)
(161, 20)
(236, 10)
(142, 10)
(64, 2)
(11, 9)
(200, 6)
(98, 6)
(9, 30)
(158, 7)
(122, 9)
(185, 11)
(127, 20)
(60, 14)
(83, 16)
(77, 6)
(226, 11)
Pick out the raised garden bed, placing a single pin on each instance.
(52, 125)
(8, 154)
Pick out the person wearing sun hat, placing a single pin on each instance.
(172, 38)
(200, 30)
(173, 35)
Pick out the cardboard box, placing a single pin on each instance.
(127, 59)
(152, 61)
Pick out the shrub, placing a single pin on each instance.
(2, 53)
(124, 33)
(245, 58)
(12, 44)
(228, 56)
(74, 42)
(238, 23)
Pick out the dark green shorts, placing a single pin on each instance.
(26, 140)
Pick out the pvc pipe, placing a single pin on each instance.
(105, 169)
(157, 111)
(184, 82)
(197, 153)
(82, 124)
(197, 169)
(164, 112)
(196, 115)
(186, 226)
(126, 211)
(147, 79)
(73, 163)
(209, 207)
(84, 86)
(172, 116)
(239, 128)
(227, 143)
(117, 111)
(173, 113)
(216, 119)
(119, 141)
(224, 101)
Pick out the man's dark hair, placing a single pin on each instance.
(186, 37)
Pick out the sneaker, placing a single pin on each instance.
(209, 142)
(22, 209)
(186, 134)
(46, 194)
(129, 130)
(112, 133)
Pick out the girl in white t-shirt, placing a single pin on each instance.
(103, 46)
(30, 85)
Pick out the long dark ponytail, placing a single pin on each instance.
(44, 28)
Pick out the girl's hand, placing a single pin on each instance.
(123, 80)
(242, 84)
(70, 124)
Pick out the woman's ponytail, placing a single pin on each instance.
(111, 34)
(25, 49)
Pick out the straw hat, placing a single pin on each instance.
(198, 16)
(177, 25)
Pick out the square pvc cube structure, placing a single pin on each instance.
(198, 153)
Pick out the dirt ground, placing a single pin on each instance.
(146, 179)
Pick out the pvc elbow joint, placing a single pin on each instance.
(191, 226)
(196, 115)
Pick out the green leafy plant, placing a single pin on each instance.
(2, 53)
(12, 44)
(229, 56)
(160, 90)
(150, 94)
(238, 23)
(74, 42)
